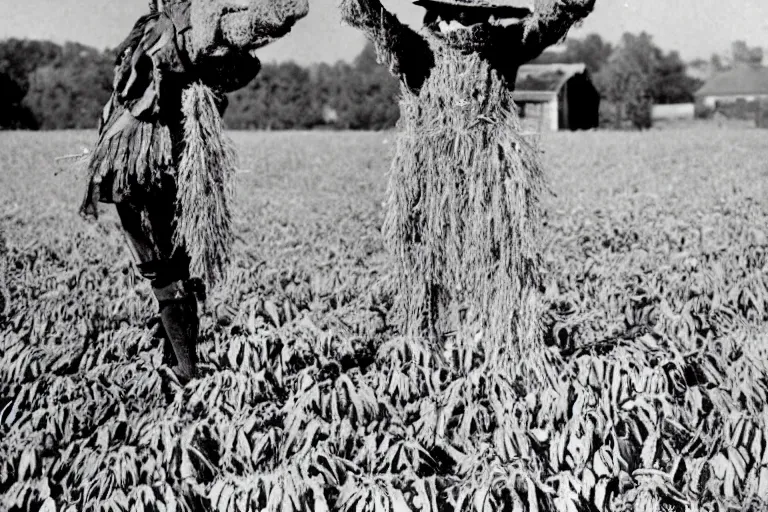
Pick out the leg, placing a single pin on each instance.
(150, 241)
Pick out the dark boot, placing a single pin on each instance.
(156, 323)
(178, 311)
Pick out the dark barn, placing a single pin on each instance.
(561, 96)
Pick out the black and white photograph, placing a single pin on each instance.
(383, 256)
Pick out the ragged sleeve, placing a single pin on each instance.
(549, 24)
(405, 52)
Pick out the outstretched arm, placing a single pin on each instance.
(405, 52)
(546, 26)
(221, 36)
(550, 23)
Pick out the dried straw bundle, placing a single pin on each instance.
(463, 210)
(551, 19)
(223, 24)
(204, 220)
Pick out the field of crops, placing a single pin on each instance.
(656, 270)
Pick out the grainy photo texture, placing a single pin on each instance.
(383, 256)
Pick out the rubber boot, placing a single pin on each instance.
(181, 326)
(178, 312)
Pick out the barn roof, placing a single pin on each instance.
(746, 80)
(542, 82)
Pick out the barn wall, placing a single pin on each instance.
(538, 117)
(551, 113)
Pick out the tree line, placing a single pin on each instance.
(357, 96)
(44, 85)
(48, 86)
(51, 87)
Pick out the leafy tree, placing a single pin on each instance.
(592, 51)
(18, 58)
(44, 85)
(357, 96)
(279, 98)
(366, 61)
(638, 74)
(330, 92)
(338, 87)
(717, 63)
(375, 92)
(672, 84)
(628, 78)
(70, 92)
(743, 54)
(13, 114)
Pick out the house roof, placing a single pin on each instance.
(746, 80)
(542, 82)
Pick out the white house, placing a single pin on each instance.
(743, 82)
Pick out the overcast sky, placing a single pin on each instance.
(696, 28)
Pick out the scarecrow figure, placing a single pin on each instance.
(160, 157)
(464, 185)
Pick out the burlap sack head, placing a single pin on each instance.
(219, 26)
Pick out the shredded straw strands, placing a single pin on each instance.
(208, 163)
(73, 162)
(463, 210)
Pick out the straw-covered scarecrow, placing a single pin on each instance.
(160, 156)
(464, 186)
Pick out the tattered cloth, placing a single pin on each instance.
(138, 139)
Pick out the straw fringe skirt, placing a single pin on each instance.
(463, 210)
